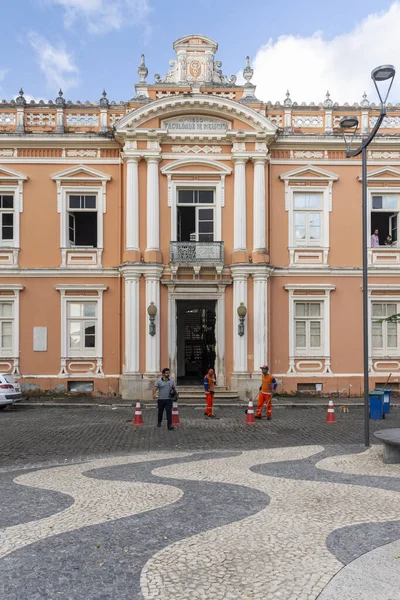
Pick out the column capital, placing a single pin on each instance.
(128, 158)
(152, 271)
(240, 160)
(260, 160)
(153, 159)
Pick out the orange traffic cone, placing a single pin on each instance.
(138, 418)
(250, 420)
(330, 417)
(175, 414)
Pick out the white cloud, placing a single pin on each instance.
(309, 66)
(102, 16)
(3, 73)
(56, 63)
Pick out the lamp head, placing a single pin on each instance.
(383, 73)
(348, 122)
(152, 309)
(242, 310)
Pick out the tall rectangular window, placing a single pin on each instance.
(82, 220)
(6, 218)
(308, 328)
(195, 220)
(385, 334)
(81, 328)
(6, 328)
(307, 216)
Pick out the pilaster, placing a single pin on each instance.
(260, 319)
(153, 275)
(132, 206)
(239, 209)
(259, 211)
(153, 252)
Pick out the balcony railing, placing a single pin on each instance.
(186, 253)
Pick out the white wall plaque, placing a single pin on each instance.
(40, 339)
(192, 123)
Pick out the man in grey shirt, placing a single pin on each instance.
(165, 386)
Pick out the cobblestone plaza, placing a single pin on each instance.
(292, 508)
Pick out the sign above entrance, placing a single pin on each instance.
(192, 123)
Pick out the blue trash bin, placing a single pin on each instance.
(386, 399)
(376, 404)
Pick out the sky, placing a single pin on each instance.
(308, 47)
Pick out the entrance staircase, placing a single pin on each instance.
(194, 394)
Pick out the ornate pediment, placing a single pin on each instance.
(195, 63)
(383, 174)
(309, 173)
(80, 173)
(7, 174)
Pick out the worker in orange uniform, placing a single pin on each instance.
(209, 382)
(267, 387)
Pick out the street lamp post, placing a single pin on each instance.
(349, 125)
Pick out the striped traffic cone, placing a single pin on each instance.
(250, 420)
(330, 417)
(138, 418)
(175, 414)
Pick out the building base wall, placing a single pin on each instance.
(58, 386)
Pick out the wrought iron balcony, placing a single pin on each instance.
(188, 253)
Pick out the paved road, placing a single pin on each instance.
(38, 435)
(289, 509)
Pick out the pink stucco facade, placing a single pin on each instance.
(197, 197)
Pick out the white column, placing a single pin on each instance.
(153, 204)
(239, 204)
(259, 208)
(260, 319)
(132, 203)
(132, 323)
(239, 342)
(153, 341)
(220, 330)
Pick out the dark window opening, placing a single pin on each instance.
(7, 226)
(196, 196)
(82, 229)
(186, 223)
(386, 224)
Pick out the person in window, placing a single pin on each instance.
(388, 241)
(375, 238)
(166, 388)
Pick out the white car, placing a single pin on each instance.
(10, 390)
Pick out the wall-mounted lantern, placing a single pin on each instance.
(152, 312)
(242, 312)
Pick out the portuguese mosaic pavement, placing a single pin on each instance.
(295, 523)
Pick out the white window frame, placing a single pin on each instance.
(70, 182)
(308, 243)
(10, 294)
(14, 243)
(211, 177)
(382, 191)
(13, 185)
(377, 294)
(319, 293)
(309, 179)
(83, 352)
(80, 294)
(92, 210)
(197, 207)
(308, 351)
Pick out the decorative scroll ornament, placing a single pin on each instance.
(195, 63)
(307, 154)
(6, 152)
(82, 153)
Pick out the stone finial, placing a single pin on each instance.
(20, 99)
(60, 101)
(288, 101)
(104, 101)
(364, 102)
(248, 72)
(328, 102)
(142, 69)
